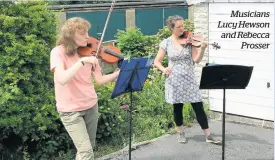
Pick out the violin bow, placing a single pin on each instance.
(101, 39)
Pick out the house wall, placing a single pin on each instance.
(256, 102)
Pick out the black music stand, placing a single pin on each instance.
(131, 78)
(215, 76)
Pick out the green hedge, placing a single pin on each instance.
(27, 106)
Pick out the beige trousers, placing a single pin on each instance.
(82, 127)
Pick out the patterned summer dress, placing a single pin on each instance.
(181, 85)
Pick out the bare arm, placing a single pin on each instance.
(64, 76)
(158, 60)
(198, 55)
(102, 79)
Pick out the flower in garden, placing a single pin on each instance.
(125, 106)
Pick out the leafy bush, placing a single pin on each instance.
(28, 114)
(165, 32)
(151, 116)
(110, 115)
(133, 43)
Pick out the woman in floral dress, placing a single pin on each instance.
(181, 86)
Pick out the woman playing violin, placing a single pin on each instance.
(76, 98)
(181, 85)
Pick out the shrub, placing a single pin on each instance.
(110, 115)
(133, 43)
(165, 32)
(28, 114)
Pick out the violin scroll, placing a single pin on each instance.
(215, 45)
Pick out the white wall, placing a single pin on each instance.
(256, 100)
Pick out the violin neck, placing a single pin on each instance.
(196, 40)
(200, 41)
(113, 53)
(212, 44)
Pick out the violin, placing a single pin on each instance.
(195, 40)
(109, 54)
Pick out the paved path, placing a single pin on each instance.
(242, 142)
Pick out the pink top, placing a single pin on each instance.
(79, 93)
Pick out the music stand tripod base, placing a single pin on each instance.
(216, 76)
